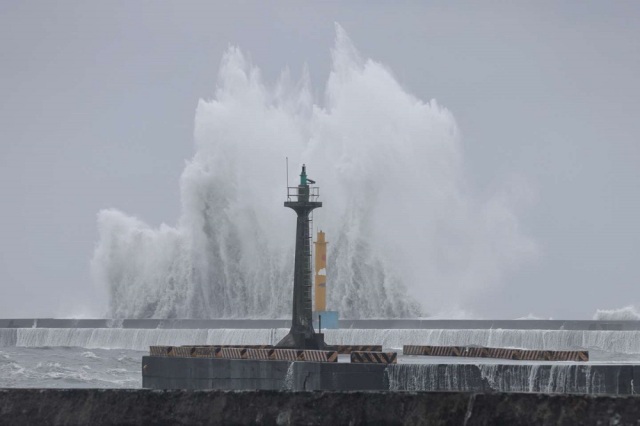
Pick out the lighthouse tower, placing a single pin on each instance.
(302, 199)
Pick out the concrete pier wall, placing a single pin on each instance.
(599, 379)
(235, 374)
(135, 407)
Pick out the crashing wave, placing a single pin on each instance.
(628, 313)
(404, 235)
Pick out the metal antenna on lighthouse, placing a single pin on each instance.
(287, 167)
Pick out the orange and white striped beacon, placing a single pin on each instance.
(322, 317)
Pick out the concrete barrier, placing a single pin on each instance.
(374, 357)
(498, 353)
(246, 374)
(17, 323)
(132, 407)
(347, 349)
(159, 372)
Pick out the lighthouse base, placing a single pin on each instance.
(295, 340)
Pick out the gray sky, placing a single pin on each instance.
(97, 103)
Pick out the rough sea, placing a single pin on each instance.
(69, 367)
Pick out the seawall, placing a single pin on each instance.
(602, 344)
(134, 407)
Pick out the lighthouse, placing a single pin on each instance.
(302, 199)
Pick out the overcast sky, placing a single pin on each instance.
(97, 104)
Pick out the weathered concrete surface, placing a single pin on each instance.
(179, 407)
(593, 379)
(246, 374)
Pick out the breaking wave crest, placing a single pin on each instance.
(405, 235)
(628, 313)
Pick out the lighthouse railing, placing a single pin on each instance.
(299, 193)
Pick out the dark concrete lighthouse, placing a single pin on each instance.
(302, 199)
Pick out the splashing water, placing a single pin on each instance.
(404, 235)
(288, 378)
(628, 313)
(532, 378)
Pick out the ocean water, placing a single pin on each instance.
(69, 367)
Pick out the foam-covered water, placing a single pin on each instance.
(405, 232)
(64, 367)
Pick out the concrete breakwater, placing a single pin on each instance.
(603, 341)
(598, 379)
(236, 374)
(179, 407)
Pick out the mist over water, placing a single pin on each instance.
(407, 237)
